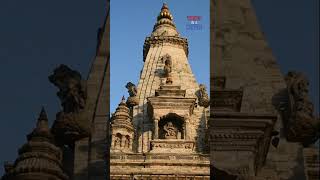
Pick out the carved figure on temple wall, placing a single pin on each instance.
(167, 68)
(72, 92)
(170, 131)
(127, 142)
(132, 89)
(71, 122)
(302, 125)
(117, 141)
(167, 65)
(203, 96)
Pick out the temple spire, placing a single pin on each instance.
(39, 158)
(42, 128)
(123, 100)
(164, 22)
(42, 122)
(165, 17)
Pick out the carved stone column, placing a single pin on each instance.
(156, 128)
(185, 127)
(123, 142)
(184, 130)
(130, 143)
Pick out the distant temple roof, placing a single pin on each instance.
(39, 158)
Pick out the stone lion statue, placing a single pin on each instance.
(302, 125)
(71, 123)
(72, 89)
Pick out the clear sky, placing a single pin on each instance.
(131, 24)
(36, 36)
(292, 31)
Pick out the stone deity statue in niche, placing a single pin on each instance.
(117, 142)
(170, 131)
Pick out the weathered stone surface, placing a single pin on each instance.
(246, 79)
(91, 154)
(311, 163)
(71, 123)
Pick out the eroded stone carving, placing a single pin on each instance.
(72, 92)
(117, 142)
(167, 68)
(132, 99)
(71, 122)
(132, 89)
(302, 125)
(203, 96)
(170, 131)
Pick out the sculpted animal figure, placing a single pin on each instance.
(132, 89)
(302, 125)
(72, 89)
(71, 123)
(203, 96)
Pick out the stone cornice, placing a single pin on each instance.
(241, 120)
(156, 157)
(235, 131)
(124, 125)
(169, 103)
(159, 40)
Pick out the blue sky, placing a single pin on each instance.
(132, 23)
(292, 31)
(35, 37)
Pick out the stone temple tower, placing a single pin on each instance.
(168, 110)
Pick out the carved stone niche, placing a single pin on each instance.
(170, 111)
(171, 126)
(170, 135)
(121, 142)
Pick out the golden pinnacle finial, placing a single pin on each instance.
(165, 14)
